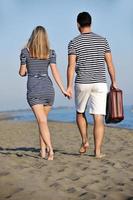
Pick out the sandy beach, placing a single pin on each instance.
(26, 176)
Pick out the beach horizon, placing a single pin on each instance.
(65, 114)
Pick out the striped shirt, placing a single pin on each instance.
(90, 50)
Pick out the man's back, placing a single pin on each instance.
(90, 50)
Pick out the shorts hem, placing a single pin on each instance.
(80, 111)
(97, 113)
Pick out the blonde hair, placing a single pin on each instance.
(38, 43)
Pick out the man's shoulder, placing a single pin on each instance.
(97, 36)
(75, 39)
(94, 35)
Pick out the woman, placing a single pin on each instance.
(35, 59)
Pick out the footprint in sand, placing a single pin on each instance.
(75, 178)
(87, 196)
(16, 191)
(4, 173)
(61, 170)
(8, 197)
(39, 165)
(117, 165)
(59, 179)
(105, 178)
(105, 171)
(94, 169)
(108, 188)
(121, 184)
(71, 190)
(95, 181)
(84, 186)
(108, 162)
(19, 154)
(55, 185)
(85, 168)
(126, 164)
(120, 189)
(104, 196)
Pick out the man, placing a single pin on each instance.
(87, 54)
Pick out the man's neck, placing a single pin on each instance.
(85, 30)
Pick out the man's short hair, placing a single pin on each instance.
(84, 19)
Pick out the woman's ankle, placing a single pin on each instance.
(85, 142)
(49, 149)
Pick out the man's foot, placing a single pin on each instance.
(84, 148)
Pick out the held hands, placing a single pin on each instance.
(70, 92)
(67, 93)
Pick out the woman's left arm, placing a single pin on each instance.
(57, 77)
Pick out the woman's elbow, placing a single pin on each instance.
(22, 74)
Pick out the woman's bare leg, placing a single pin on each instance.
(42, 144)
(41, 114)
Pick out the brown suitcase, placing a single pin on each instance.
(114, 106)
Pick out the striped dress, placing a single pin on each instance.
(39, 85)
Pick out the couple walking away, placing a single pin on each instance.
(87, 54)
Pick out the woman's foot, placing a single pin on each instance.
(84, 148)
(50, 154)
(43, 153)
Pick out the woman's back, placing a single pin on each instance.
(34, 65)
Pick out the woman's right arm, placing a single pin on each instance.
(23, 70)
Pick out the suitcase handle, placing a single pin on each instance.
(115, 89)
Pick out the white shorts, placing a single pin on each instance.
(95, 94)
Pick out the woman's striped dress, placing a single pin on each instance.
(39, 85)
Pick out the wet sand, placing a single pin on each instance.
(24, 175)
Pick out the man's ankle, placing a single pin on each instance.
(97, 152)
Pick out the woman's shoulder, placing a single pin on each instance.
(52, 56)
(25, 50)
(52, 53)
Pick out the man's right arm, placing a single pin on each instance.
(111, 68)
(70, 73)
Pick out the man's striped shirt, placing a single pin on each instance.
(90, 50)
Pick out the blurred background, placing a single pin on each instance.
(111, 19)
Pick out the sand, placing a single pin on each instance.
(26, 176)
